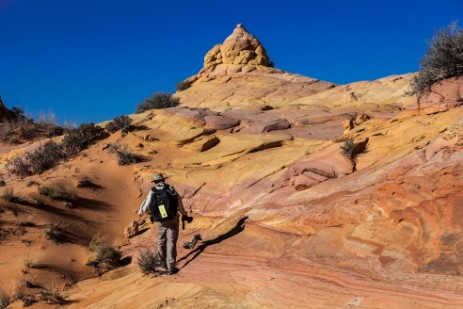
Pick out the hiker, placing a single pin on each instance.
(163, 203)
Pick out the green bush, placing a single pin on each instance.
(443, 59)
(157, 101)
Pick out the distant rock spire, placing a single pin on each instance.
(240, 48)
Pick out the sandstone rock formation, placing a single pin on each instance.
(285, 220)
(240, 48)
(239, 73)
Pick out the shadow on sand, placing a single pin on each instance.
(238, 228)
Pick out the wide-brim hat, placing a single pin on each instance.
(158, 177)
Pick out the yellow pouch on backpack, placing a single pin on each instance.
(162, 211)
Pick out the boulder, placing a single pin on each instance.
(133, 228)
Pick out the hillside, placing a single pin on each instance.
(286, 219)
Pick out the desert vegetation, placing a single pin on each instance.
(19, 128)
(9, 196)
(443, 59)
(52, 296)
(183, 85)
(52, 153)
(157, 101)
(147, 261)
(352, 150)
(122, 123)
(106, 257)
(124, 155)
(59, 193)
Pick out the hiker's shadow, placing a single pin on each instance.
(238, 228)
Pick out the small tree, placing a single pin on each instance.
(157, 101)
(443, 59)
(352, 150)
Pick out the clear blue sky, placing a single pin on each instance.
(94, 60)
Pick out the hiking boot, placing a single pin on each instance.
(170, 272)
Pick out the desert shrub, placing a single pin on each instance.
(157, 101)
(107, 257)
(9, 196)
(51, 153)
(53, 233)
(31, 262)
(88, 184)
(26, 223)
(52, 296)
(147, 261)
(18, 111)
(78, 139)
(443, 59)
(37, 161)
(4, 299)
(96, 242)
(59, 193)
(183, 85)
(20, 128)
(348, 150)
(124, 155)
(352, 150)
(119, 123)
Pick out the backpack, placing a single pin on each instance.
(163, 204)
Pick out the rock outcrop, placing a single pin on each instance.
(240, 48)
(239, 73)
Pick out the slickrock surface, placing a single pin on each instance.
(285, 219)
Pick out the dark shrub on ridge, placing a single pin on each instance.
(157, 101)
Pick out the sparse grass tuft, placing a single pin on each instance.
(31, 263)
(107, 257)
(125, 156)
(52, 296)
(87, 183)
(9, 196)
(54, 233)
(59, 193)
(96, 242)
(147, 261)
(26, 223)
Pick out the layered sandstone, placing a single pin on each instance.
(285, 219)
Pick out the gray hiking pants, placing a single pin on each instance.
(167, 241)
